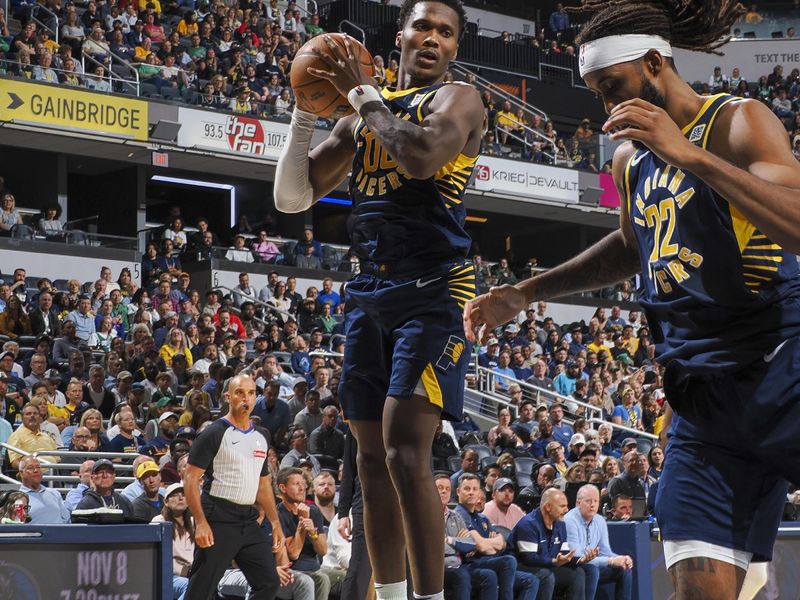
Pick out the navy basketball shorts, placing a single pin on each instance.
(405, 337)
(734, 446)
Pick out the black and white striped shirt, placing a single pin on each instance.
(233, 459)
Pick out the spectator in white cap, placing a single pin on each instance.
(488, 359)
(176, 511)
(576, 445)
(167, 428)
(501, 510)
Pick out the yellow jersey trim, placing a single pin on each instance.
(700, 114)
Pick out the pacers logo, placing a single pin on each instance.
(483, 173)
(452, 352)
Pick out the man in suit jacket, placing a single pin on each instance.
(43, 318)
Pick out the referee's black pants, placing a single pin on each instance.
(247, 544)
(356, 583)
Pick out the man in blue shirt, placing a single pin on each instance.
(46, 505)
(576, 346)
(488, 360)
(273, 412)
(524, 425)
(308, 240)
(559, 19)
(539, 541)
(459, 577)
(327, 295)
(562, 432)
(586, 530)
(564, 383)
(490, 545)
(83, 319)
(505, 372)
(470, 463)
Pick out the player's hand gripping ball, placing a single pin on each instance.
(331, 54)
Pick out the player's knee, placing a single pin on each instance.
(405, 462)
(371, 463)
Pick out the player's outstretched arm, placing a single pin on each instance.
(750, 164)
(303, 177)
(609, 261)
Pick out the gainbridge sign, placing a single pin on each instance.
(231, 133)
(66, 108)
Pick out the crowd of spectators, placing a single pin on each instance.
(109, 366)
(177, 242)
(779, 91)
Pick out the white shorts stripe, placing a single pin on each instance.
(675, 551)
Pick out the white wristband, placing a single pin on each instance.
(361, 95)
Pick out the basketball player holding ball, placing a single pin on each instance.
(412, 151)
(710, 212)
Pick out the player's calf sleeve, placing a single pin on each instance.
(293, 191)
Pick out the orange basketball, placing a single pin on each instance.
(317, 95)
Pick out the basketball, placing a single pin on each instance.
(317, 95)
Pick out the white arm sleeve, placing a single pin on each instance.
(293, 191)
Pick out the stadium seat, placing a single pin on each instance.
(147, 89)
(488, 460)
(26, 341)
(503, 531)
(328, 463)
(22, 232)
(454, 462)
(482, 450)
(170, 93)
(524, 464)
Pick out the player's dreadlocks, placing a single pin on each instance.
(700, 25)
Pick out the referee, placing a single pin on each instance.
(230, 457)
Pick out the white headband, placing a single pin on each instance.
(616, 49)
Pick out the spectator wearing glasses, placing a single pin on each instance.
(299, 452)
(587, 534)
(46, 504)
(102, 493)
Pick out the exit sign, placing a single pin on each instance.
(160, 159)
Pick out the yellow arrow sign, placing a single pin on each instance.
(69, 108)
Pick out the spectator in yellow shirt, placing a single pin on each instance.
(187, 26)
(507, 122)
(29, 437)
(144, 4)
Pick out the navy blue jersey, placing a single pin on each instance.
(395, 217)
(718, 293)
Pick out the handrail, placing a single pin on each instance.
(21, 452)
(117, 59)
(256, 301)
(41, 7)
(633, 432)
(8, 479)
(485, 83)
(514, 135)
(238, 311)
(355, 28)
(85, 455)
(97, 63)
(486, 378)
